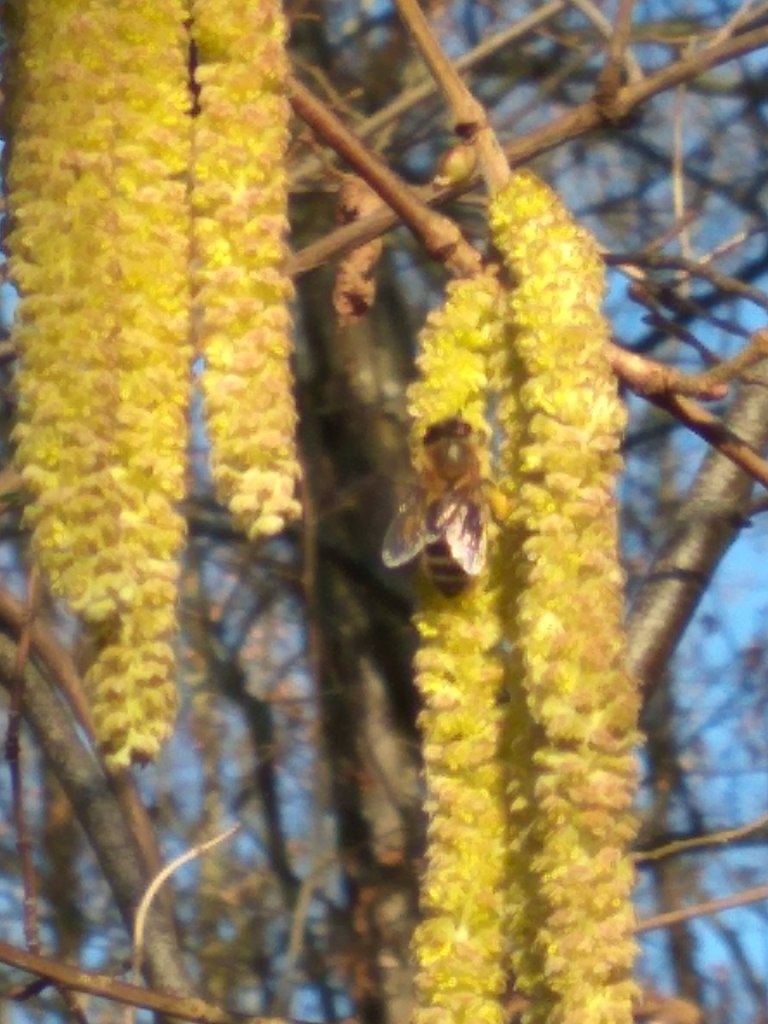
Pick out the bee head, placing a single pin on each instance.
(453, 428)
(449, 448)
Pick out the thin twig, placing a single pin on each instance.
(154, 887)
(712, 430)
(106, 987)
(464, 107)
(439, 235)
(692, 268)
(469, 116)
(664, 387)
(742, 14)
(729, 244)
(13, 757)
(674, 229)
(584, 118)
(652, 379)
(618, 55)
(416, 95)
(742, 899)
(690, 67)
(647, 377)
(697, 842)
(649, 292)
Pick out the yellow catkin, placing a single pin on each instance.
(99, 249)
(572, 770)
(240, 197)
(458, 945)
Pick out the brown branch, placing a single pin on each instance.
(58, 664)
(196, 1010)
(650, 1007)
(655, 1008)
(742, 16)
(690, 67)
(106, 987)
(343, 240)
(610, 77)
(589, 116)
(618, 55)
(13, 748)
(706, 524)
(464, 107)
(414, 96)
(469, 116)
(653, 380)
(584, 118)
(668, 388)
(439, 235)
(691, 268)
(26, 626)
(88, 790)
(671, 917)
(57, 660)
(712, 430)
(697, 842)
(13, 757)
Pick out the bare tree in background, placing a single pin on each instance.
(299, 711)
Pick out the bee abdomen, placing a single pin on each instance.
(443, 569)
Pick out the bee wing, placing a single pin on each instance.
(408, 533)
(464, 532)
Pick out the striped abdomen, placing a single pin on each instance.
(443, 569)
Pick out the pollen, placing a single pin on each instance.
(240, 203)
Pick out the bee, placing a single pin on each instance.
(443, 518)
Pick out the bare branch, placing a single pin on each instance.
(584, 118)
(692, 268)
(705, 909)
(159, 880)
(707, 523)
(439, 235)
(413, 97)
(618, 56)
(470, 117)
(106, 987)
(698, 842)
(89, 792)
(13, 757)
(655, 380)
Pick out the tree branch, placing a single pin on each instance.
(470, 117)
(88, 790)
(584, 118)
(741, 899)
(439, 235)
(106, 987)
(707, 523)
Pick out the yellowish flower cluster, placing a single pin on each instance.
(458, 945)
(100, 250)
(572, 771)
(455, 346)
(239, 197)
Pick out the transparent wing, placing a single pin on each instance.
(408, 533)
(463, 528)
